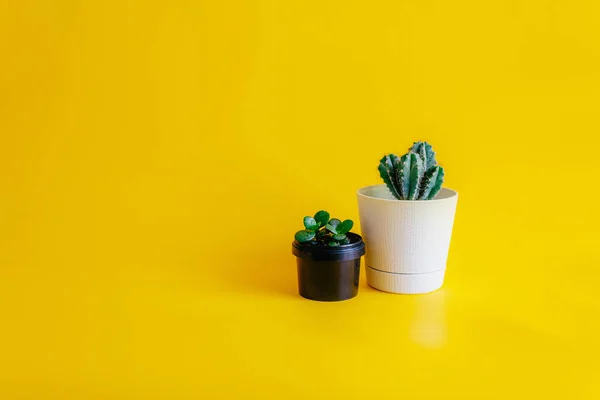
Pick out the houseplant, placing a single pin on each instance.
(407, 223)
(328, 258)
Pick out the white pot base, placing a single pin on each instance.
(404, 283)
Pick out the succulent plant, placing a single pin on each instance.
(320, 230)
(414, 176)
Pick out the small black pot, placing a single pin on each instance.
(329, 273)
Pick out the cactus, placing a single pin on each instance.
(415, 175)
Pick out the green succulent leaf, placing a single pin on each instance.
(340, 237)
(304, 236)
(333, 244)
(310, 224)
(345, 241)
(322, 217)
(345, 226)
(332, 225)
(386, 171)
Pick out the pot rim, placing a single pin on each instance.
(453, 193)
(345, 252)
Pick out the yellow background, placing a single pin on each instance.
(156, 158)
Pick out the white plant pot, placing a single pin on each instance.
(406, 241)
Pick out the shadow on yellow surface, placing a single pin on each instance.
(266, 273)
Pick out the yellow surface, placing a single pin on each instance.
(156, 158)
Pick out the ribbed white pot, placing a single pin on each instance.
(406, 241)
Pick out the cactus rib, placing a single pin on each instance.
(429, 180)
(416, 175)
(437, 186)
(403, 176)
(386, 169)
(425, 150)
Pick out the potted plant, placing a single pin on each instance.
(328, 257)
(407, 223)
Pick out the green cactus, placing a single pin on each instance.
(415, 175)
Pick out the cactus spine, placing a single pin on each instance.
(415, 175)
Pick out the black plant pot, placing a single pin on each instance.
(329, 273)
